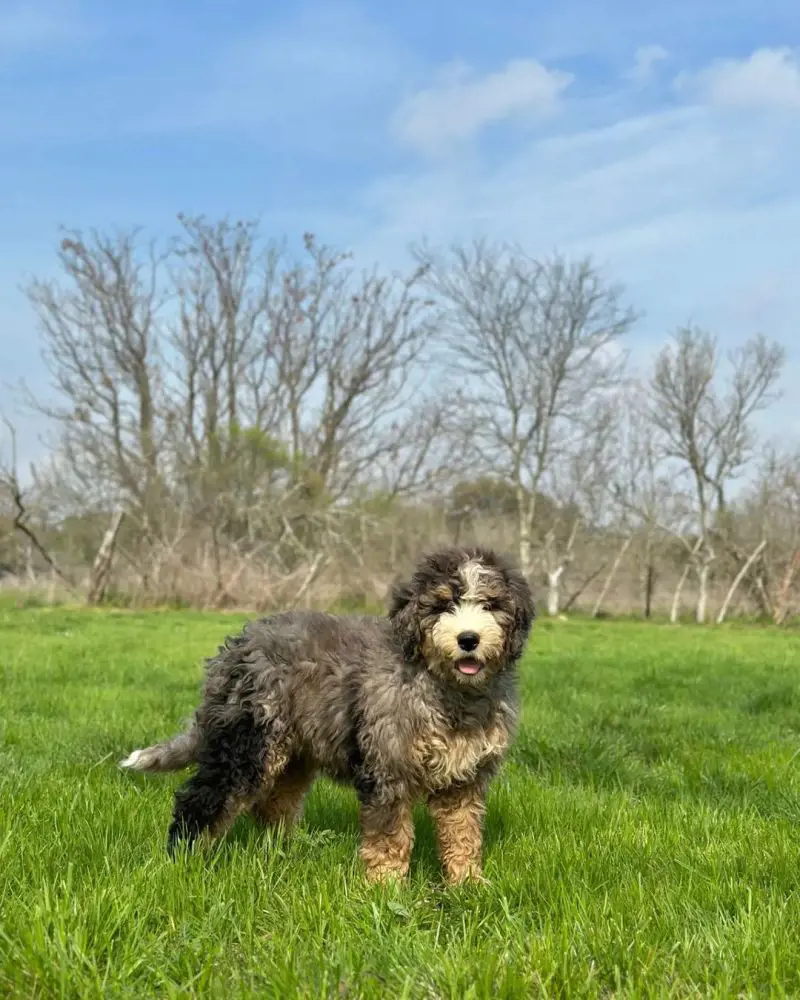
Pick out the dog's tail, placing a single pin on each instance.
(172, 755)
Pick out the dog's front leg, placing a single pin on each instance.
(387, 832)
(458, 813)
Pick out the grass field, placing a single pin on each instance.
(644, 840)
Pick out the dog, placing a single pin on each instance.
(419, 704)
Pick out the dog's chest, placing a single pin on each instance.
(444, 756)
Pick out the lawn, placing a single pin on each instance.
(644, 839)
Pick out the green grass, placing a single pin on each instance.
(644, 840)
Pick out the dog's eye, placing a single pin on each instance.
(439, 607)
(492, 606)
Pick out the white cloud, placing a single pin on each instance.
(769, 78)
(645, 61)
(462, 102)
(696, 213)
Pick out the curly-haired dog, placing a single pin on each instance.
(419, 704)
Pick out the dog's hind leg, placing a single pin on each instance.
(235, 759)
(281, 802)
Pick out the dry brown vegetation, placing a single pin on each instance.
(235, 424)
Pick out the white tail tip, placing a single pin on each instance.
(137, 761)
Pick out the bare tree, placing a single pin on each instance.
(723, 611)
(709, 431)
(649, 500)
(99, 330)
(615, 565)
(787, 484)
(536, 346)
(770, 511)
(577, 480)
(784, 605)
(675, 607)
(307, 350)
(636, 487)
(226, 379)
(220, 342)
(101, 567)
(223, 406)
(243, 420)
(9, 480)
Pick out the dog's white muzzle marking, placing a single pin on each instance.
(468, 617)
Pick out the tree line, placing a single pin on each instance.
(238, 421)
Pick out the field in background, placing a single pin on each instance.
(644, 839)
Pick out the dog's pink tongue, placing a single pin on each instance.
(469, 667)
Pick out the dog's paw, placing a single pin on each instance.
(382, 876)
(468, 876)
(181, 838)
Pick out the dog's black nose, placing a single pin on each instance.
(468, 640)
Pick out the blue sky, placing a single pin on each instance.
(662, 137)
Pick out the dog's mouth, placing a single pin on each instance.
(469, 667)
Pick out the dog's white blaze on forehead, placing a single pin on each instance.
(472, 573)
(469, 618)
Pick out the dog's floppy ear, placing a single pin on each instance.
(403, 613)
(524, 613)
(400, 595)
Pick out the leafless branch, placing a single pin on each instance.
(536, 343)
(20, 516)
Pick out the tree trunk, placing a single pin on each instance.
(318, 563)
(755, 584)
(676, 597)
(573, 597)
(554, 591)
(674, 612)
(762, 596)
(217, 555)
(525, 540)
(649, 587)
(525, 553)
(19, 524)
(702, 596)
(101, 566)
(611, 574)
(30, 572)
(783, 604)
(221, 597)
(738, 579)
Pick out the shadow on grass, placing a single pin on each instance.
(648, 765)
(330, 824)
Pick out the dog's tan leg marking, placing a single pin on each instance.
(282, 802)
(458, 814)
(387, 837)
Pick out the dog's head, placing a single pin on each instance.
(466, 612)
